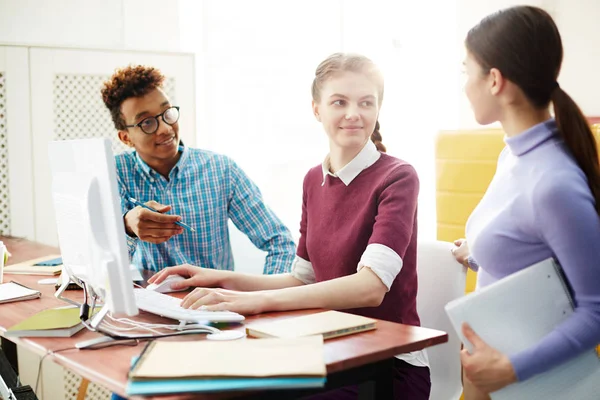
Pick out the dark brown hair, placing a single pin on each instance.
(524, 44)
(342, 62)
(131, 81)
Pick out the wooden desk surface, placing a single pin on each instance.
(109, 366)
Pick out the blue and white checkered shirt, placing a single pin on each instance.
(205, 189)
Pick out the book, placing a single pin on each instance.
(13, 291)
(53, 322)
(47, 265)
(329, 324)
(515, 313)
(167, 367)
(173, 386)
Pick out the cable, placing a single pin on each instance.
(37, 380)
(119, 329)
(84, 316)
(180, 327)
(146, 337)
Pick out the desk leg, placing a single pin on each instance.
(10, 351)
(383, 385)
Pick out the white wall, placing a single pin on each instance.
(579, 24)
(469, 13)
(109, 24)
(258, 72)
(577, 21)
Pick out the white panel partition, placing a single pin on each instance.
(16, 176)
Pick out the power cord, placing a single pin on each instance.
(84, 313)
(37, 380)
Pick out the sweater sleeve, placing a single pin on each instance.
(396, 211)
(569, 223)
(302, 251)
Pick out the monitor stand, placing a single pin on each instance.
(96, 319)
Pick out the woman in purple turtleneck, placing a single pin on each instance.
(544, 199)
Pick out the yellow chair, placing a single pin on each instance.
(465, 164)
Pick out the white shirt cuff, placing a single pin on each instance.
(383, 261)
(303, 271)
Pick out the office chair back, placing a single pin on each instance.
(441, 279)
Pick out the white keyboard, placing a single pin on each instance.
(170, 307)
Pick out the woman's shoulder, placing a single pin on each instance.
(394, 168)
(314, 174)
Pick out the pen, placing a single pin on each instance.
(138, 203)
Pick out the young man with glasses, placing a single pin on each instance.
(198, 188)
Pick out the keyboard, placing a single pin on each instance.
(170, 307)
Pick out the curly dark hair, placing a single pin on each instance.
(131, 81)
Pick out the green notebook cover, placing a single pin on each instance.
(53, 322)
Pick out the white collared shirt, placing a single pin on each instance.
(363, 160)
(381, 259)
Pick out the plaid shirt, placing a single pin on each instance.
(205, 189)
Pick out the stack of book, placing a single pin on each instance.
(166, 367)
(52, 322)
(49, 265)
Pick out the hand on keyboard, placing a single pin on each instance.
(245, 303)
(170, 307)
(194, 276)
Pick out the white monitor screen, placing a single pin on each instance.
(88, 217)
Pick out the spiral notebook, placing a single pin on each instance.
(514, 314)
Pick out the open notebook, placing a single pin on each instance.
(514, 314)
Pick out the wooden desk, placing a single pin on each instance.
(350, 360)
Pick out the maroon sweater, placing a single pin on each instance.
(339, 221)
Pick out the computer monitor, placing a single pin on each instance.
(90, 226)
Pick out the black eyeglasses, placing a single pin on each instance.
(150, 125)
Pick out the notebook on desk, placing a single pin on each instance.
(52, 322)
(329, 324)
(13, 291)
(48, 265)
(514, 314)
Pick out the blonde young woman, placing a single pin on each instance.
(357, 250)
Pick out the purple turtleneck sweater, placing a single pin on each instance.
(539, 205)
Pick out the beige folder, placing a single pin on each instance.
(329, 324)
(300, 357)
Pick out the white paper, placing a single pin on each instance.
(10, 291)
